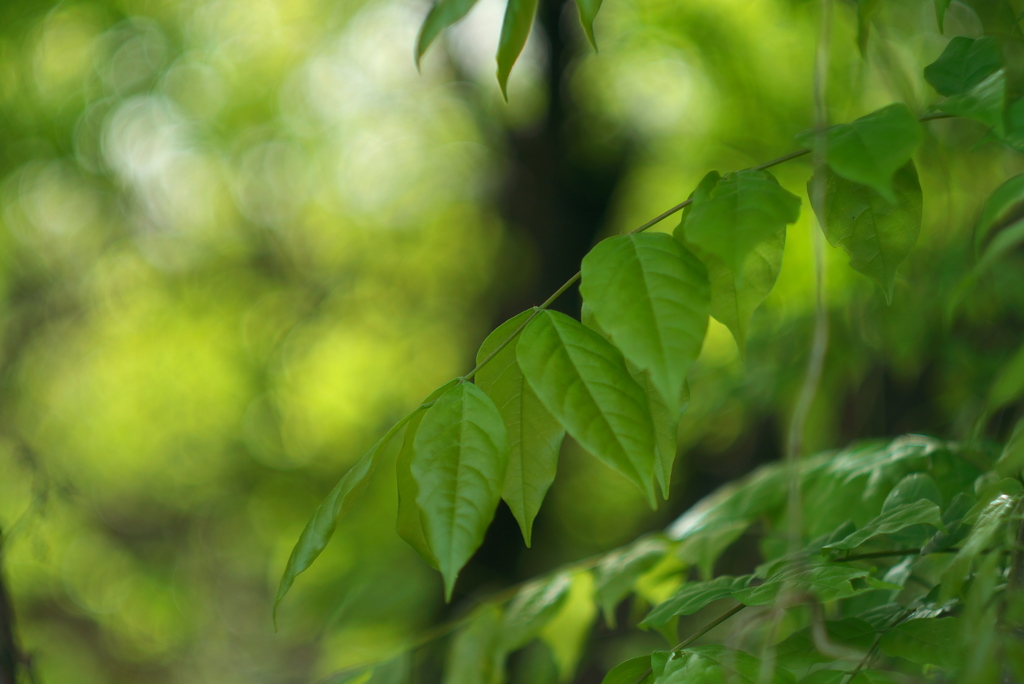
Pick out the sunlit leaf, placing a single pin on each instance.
(515, 29)
(461, 454)
(566, 633)
(534, 435)
(933, 641)
(694, 596)
(714, 664)
(870, 150)
(964, 64)
(532, 608)
(618, 572)
(876, 233)
(826, 581)
(894, 520)
(441, 16)
(651, 295)
(472, 658)
(583, 381)
(733, 214)
(588, 12)
(630, 672)
(318, 531)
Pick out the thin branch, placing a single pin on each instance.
(698, 634)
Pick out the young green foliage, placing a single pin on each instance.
(441, 16)
(515, 29)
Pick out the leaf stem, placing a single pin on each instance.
(698, 634)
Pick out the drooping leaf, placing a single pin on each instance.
(630, 672)
(877, 234)
(1001, 224)
(932, 641)
(827, 581)
(866, 11)
(714, 664)
(735, 295)
(940, 13)
(985, 102)
(964, 64)
(472, 658)
(990, 523)
(733, 214)
(515, 29)
(534, 435)
(441, 16)
(583, 381)
(651, 295)
(459, 464)
(588, 12)
(318, 531)
(895, 519)
(1008, 386)
(532, 608)
(618, 572)
(694, 596)
(871, 149)
(566, 633)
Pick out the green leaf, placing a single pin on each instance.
(459, 464)
(800, 650)
(984, 103)
(876, 233)
(630, 672)
(472, 658)
(694, 596)
(894, 520)
(736, 294)
(1011, 461)
(733, 214)
(1009, 383)
(964, 64)
(651, 296)
(588, 12)
(1002, 212)
(991, 522)
(712, 664)
(566, 633)
(441, 16)
(940, 13)
(870, 150)
(911, 489)
(866, 11)
(318, 531)
(532, 608)
(618, 572)
(875, 677)
(932, 641)
(583, 381)
(534, 435)
(825, 677)
(515, 29)
(827, 581)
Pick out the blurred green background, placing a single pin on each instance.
(240, 238)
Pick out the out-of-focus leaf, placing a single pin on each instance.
(877, 233)
(515, 29)
(320, 528)
(1003, 212)
(588, 12)
(866, 11)
(694, 596)
(799, 650)
(894, 520)
(618, 572)
(1009, 383)
(630, 672)
(826, 581)
(985, 102)
(459, 464)
(651, 296)
(566, 633)
(871, 149)
(731, 215)
(940, 13)
(534, 435)
(583, 381)
(472, 658)
(825, 677)
(932, 641)
(875, 677)
(1011, 461)
(712, 664)
(531, 609)
(964, 64)
(441, 16)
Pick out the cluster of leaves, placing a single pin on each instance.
(911, 544)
